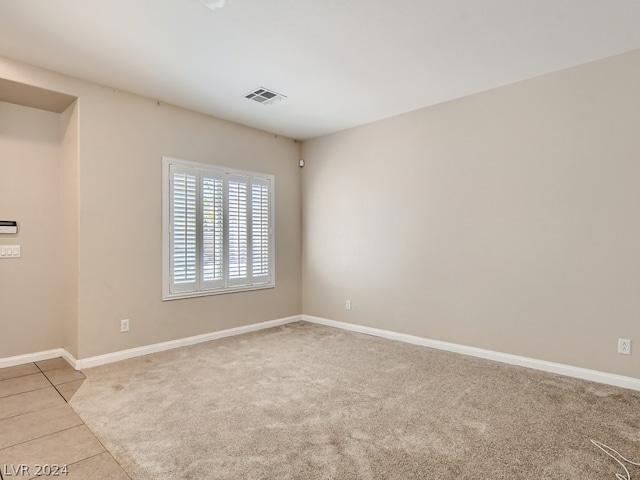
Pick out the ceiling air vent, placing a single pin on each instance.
(264, 96)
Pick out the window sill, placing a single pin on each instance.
(222, 291)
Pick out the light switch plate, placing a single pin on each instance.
(10, 251)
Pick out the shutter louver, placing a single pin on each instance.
(260, 231)
(238, 241)
(183, 239)
(212, 229)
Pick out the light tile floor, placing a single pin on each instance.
(38, 427)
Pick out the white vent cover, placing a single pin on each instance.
(264, 96)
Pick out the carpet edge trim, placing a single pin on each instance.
(543, 365)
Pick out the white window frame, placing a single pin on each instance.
(241, 277)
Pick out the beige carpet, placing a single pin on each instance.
(310, 402)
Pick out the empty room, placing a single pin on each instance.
(303, 239)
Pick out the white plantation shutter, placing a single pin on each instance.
(183, 233)
(260, 230)
(219, 230)
(212, 231)
(238, 230)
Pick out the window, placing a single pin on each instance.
(217, 230)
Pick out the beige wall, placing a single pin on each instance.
(507, 220)
(30, 288)
(121, 140)
(69, 203)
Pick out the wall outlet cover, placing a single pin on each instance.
(624, 346)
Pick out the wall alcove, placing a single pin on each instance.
(39, 189)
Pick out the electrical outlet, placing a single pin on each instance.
(124, 325)
(348, 305)
(624, 346)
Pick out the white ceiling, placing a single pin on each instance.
(341, 63)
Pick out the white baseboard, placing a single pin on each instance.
(181, 342)
(70, 359)
(139, 351)
(558, 368)
(568, 370)
(38, 357)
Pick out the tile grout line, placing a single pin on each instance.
(54, 387)
(26, 391)
(49, 434)
(106, 450)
